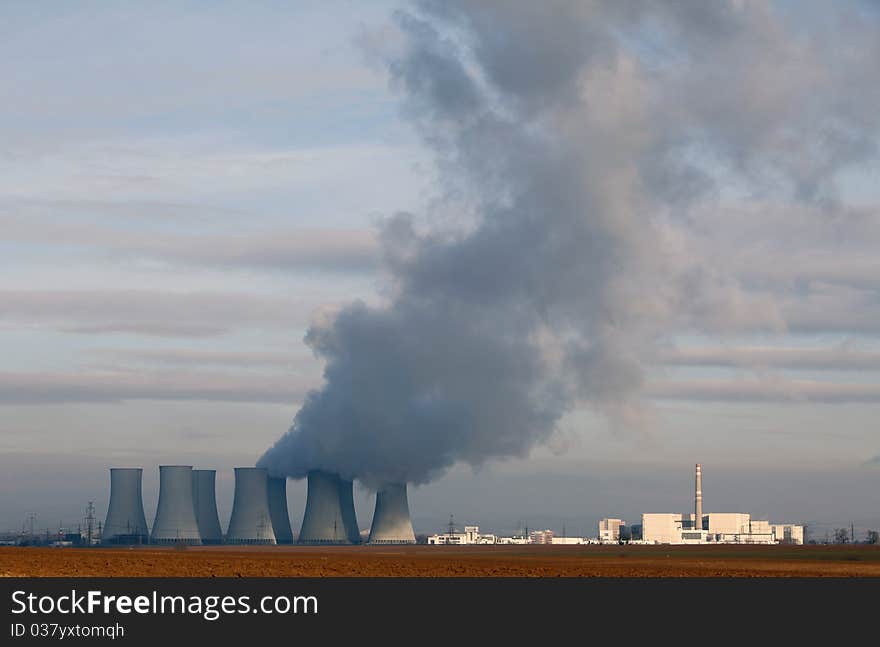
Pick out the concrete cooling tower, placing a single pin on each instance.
(175, 515)
(251, 522)
(324, 521)
(125, 523)
(391, 522)
(278, 510)
(349, 517)
(205, 502)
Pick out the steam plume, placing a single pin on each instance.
(570, 140)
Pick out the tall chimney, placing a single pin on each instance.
(698, 499)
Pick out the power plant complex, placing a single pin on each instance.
(655, 528)
(187, 510)
(714, 527)
(187, 514)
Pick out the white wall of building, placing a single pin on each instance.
(609, 529)
(757, 527)
(661, 527)
(470, 536)
(570, 541)
(732, 523)
(788, 533)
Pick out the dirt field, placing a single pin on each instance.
(440, 561)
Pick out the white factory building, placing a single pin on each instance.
(470, 536)
(713, 527)
(609, 530)
(717, 527)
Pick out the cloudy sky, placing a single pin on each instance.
(186, 189)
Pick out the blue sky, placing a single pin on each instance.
(185, 187)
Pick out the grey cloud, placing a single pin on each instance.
(765, 390)
(19, 212)
(582, 150)
(197, 314)
(823, 308)
(768, 266)
(341, 250)
(530, 53)
(146, 329)
(839, 358)
(757, 242)
(140, 80)
(850, 268)
(55, 388)
(191, 357)
(331, 250)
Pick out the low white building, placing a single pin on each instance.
(727, 523)
(570, 541)
(760, 527)
(662, 527)
(541, 536)
(470, 536)
(786, 533)
(609, 530)
(717, 528)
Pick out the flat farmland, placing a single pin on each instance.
(441, 561)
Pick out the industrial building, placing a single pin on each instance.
(251, 521)
(278, 510)
(609, 530)
(187, 513)
(572, 541)
(187, 509)
(125, 522)
(541, 536)
(470, 536)
(175, 514)
(329, 517)
(349, 517)
(714, 527)
(787, 533)
(391, 520)
(205, 501)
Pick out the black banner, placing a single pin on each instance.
(403, 611)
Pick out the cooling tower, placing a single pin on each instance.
(176, 515)
(391, 522)
(205, 502)
(125, 523)
(251, 522)
(323, 521)
(278, 510)
(698, 499)
(349, 518)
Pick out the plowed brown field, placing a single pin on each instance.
(440, 561)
